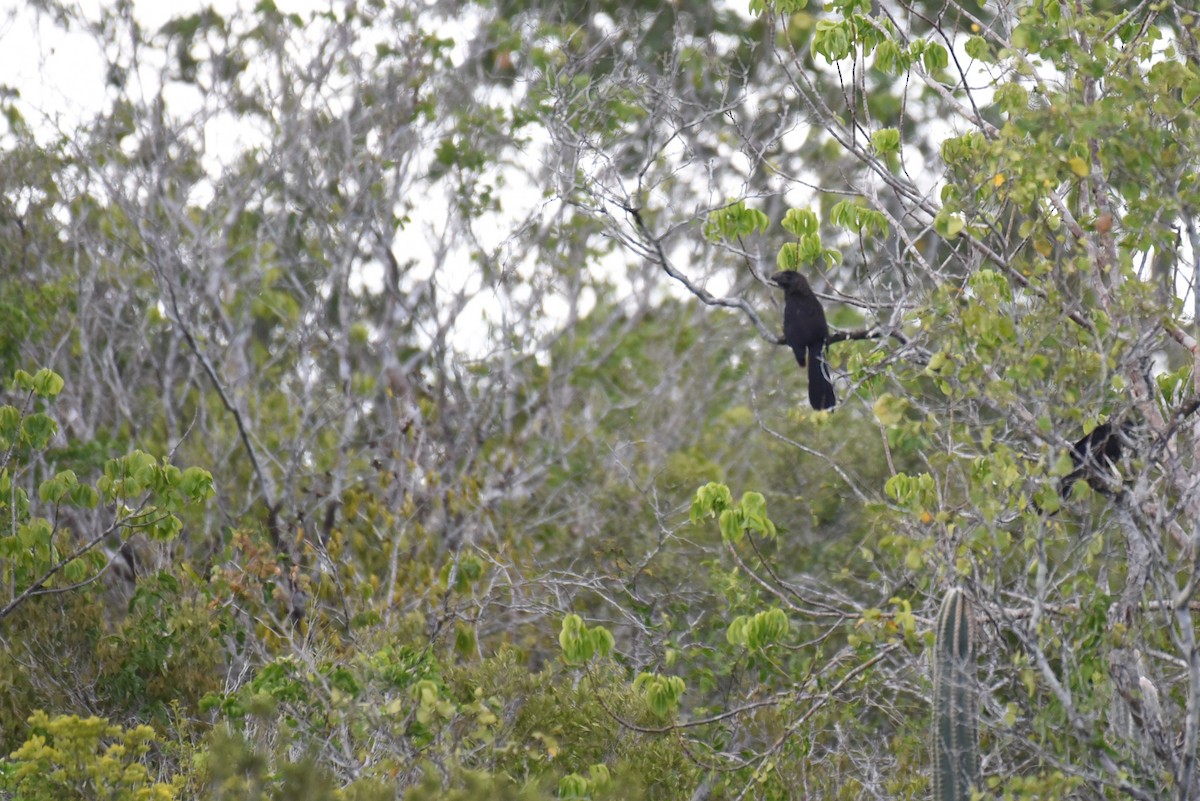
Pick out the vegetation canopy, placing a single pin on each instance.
(395, 403)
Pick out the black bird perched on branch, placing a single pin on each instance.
(806, 332)
(1099, 451)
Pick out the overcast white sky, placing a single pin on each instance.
(56, 74)
(61, 80)
(61, 75)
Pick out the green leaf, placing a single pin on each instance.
(754, 514)
(22, 381)
(948, 225)
(872, 221)
(886, 141)
(144, 467)
(978, 48)
(800, 222)
(83, 496)
(1047, 499)
(889, 409)
(710, 500)
(602, 641)
(662, 692)
(10, 426)
(890, 59)
(37, 430)
(75, 570)
(733, 222)
(935, 58)
(832, 39)
(844, 214)
(735, 632)
(765, 628)
(579, 643)
(162, 526)
(730, 523)
(1062, 465)
(789, 257)
(47, 383)
(36, 533)
(599, 776)
(573, 787)
(1012, 98)
(53, 490)
(809, 248)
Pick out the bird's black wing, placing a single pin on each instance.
(1098, 451)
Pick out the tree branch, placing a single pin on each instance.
(704, 295)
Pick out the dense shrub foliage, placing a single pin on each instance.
(392, 405)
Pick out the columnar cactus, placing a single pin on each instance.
(955, 702)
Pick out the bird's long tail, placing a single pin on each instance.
(820, 388)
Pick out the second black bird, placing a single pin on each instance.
(806, 332)
(1097, 452)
